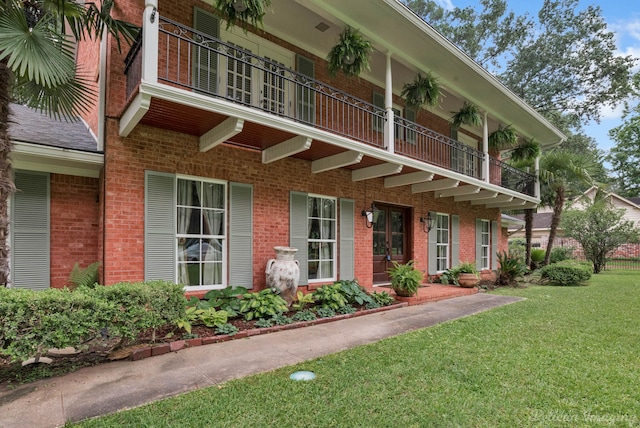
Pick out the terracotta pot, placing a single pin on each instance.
(468, 280)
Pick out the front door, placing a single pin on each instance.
(390, 240)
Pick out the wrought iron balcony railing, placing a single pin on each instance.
(194, 61)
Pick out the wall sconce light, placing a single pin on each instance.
(427, 223)
(368, 215)
(239, 6)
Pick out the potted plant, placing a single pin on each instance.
(469, 114)
(464, 275)
(503, 138)
(467, 275)
(423, 91)
(405, 278)
(242, 12)
(351, 54)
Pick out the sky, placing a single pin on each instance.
(622, 18)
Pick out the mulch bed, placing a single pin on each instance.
(101, 351)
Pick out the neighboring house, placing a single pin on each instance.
(542, 224)
(219, 145)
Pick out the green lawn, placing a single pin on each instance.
(567, 356)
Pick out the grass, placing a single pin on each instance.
(567, 356)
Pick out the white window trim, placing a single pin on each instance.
(224, 239)
(334, 241)
(448, 245)
(486, 247)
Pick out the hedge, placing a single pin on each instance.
(566, 273)
(31, 322)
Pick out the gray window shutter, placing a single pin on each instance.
(378, 101)
(494, 245)
(306, 97)
(205, 61)
(478, 243)
(30, 236)
(347, 239)
(433, 247)
(159, 226)
(455, 240)
(241, 235)
(298, 233)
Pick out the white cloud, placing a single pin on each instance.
(445, 4)
(611, 113)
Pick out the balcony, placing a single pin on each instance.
(201, 66)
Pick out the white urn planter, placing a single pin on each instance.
(283, 273)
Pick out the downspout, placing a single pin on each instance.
(102, 140)
(389, 137)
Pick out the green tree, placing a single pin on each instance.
(561, 171)
(625, 155)
(38, 69)
(600, 229)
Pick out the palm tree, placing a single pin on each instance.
(524, 157)
(561, 170)
(37, 68)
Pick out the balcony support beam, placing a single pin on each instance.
(497, 199)
(287, 148)
(485, 195)
(221, 133)
(432, 186)
(462, 190)
(516, 203)
(407, 179)
(134, 113)
(336, 161)
(375, 171)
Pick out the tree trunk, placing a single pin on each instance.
(558, 204)
(528, 235)
(6, 175)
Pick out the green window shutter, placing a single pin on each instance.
(455, 240)
(205, 61)
(30, 235)
(494, 245)
(298, 233)
(478, 244)
(433, 246)
(241, 235)
(305, 97)
(159, 226)
(378, 101)
(347, 239)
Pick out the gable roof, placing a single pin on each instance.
(30, 126)
(540, 220)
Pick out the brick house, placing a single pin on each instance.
(214, 145)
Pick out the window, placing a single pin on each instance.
(442, 242)
(201, 232)
(484, 244)
(321, 238)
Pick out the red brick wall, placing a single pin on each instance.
(166, 151)
(74, 225)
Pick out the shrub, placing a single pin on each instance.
(31, 322)
(566, 273)
(330, 296)
(537, 255)
(135, 307)
(382, 298)
(354, 293)
(559, 254)
(262, 304)
(510, 268)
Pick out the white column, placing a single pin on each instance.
(150, 27)
(485, 148)
(389, 129)
(536, 189)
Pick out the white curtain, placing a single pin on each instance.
(212, 224)
(185, 199)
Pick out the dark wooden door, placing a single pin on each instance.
(390, 239)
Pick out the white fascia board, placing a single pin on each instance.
(34, 157)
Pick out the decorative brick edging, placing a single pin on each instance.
(165, 348)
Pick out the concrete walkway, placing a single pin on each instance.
(111, 387)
